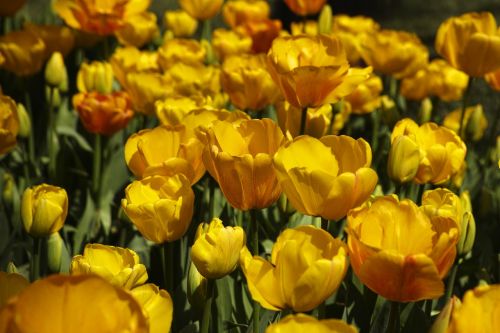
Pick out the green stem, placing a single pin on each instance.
(393, 325)
(464, 107)
(206, 31)
(51, 135)
(207, 309)
(303, 120)
(451, 282)
(375, 116)
(96, 170)
(35, 264)
(255, 248)
(324, 224)
(211, 199)
(167, 265)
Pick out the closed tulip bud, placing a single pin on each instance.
(157, 306)
(425, 111)
(8, 188)
(11, 284)
(468, 226)
(96, 76)
(325, 20)
(216, 250)
(404, 159)
(43, 209)
(54, 252)
(474, 119)
(390, 114)
(442, 322)
(180, 23)
(196, 288)
(298, 323)
(24, 121)
(9, 124)
(55, 70)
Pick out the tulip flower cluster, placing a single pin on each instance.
(213, 168)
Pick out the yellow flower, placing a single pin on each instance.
(442, 152)
(216, 249)
(239, 157)
(171, 110)
(120, 266)
(201, 9)
(229, 42)
(393, 52)
(129, 59)
(398, 252)
(247, 82)
(479, 311)
(55, 37)
(298, 323)
(437, 79)
(55, 71)
(157, 306)
(312, 70)
(237, 12)
(145, 89)
(9, 8)
(95, 76)
(99, 17)
(195, 80)
(307, 266)
(138, 30)
(470, 43)
(165, 150)
(317, 119)
(180, 23)
(307, 27)
(331, 176)
(11, 285)
(404, 159)
(187, 51)
(160, 207)
(21, 52)
(9, 124)
(43, 209)
(78, 304)
(304, 8)
(474, 120)
(366, 97)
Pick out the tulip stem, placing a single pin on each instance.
(393, 326)
(96, 170)
(375, 130)
(303, 119)
(324, 224)
(255, 247)
(35, 264)
(51, 135)
(167, 256)
(207, 309)
(206, 30)
(451, 282)
(464, 107)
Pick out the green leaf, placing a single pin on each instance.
(72, 133)
(84, 224)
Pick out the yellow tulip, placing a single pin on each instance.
(392, 52)
(95, 76)
(304, 8)
(299, 323)
(102, 18)
(398, 252)
(165, 150)
(237, 12)
(194, 80)
(11, 285)
(138, 30)
(239, 158)
(160, 207)
(187, 51)
(470, 43)
(157, 306)
(171, 110)
(312, 70)
(247, 82)
(76, 304)
(201, 9)
(229, 42)
(307, 266)
(308, 28)
(55, 71)
(479, 311)
(475, 121)
(147, 88)
(43, 209)
(9, 124)
(129, 59)
(404, 159)
(366, 97)
(216, 249)
(180, 23)
(317, 119)
(56, 38)
(442, 321)
(21, 52)
(120, 266)
(442, 152)
(331, 176)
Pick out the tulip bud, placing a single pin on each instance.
(54, 252)
(390, 114)
(211, 59)
(404, 159)
(468, 226)
(96, 76)
(55, 71)
(24, 121)
(325, 20)
(443, 320)
(43, 209)
(196, 288)
(476, 124)
(11, 268)
(8, 188)
(425, 112)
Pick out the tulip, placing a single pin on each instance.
(55, 245)
(470, 43)
(9, 8)
(120, 266)
(129, 59)
(307, 266)
(366, 97)
(73, 304)
(398, 252)
(56, 38)
(308, 28)
(312, 70)
(180, 23)
(9, 124)
(467, 226)
(95, 76)
(325, 20)
(24, 121)
(157, 306)
(216, 249)
(304, 8)
(238, 12)
(43, 209)
(478, 312)
(102, 18)
(201, 9)
(404, 159)
(187, 51)
(196, 288)
(103, 114)
(160, 207)
(397, 53)
(239, 158)
(493, 80)
(195, 80)
(247, 82)
(442, 322)
(442, 152)
(171, 110)
(145, 89)
(55, 71)
(317, 120)
(21, 52)
(229, 42)
(298, 323)
(11, 284)
(138, 30)
(332, 175)
(474, 119)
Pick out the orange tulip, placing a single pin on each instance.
(304, 8)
